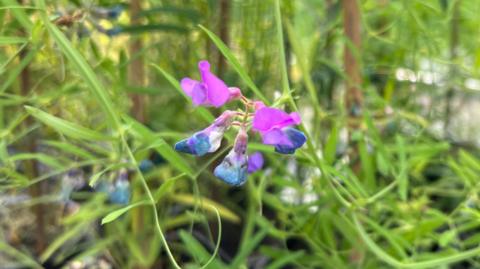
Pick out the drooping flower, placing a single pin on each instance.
(120, 194)
(72, 181)
(233, 169)
(209, 139)
(118, 191)
(255, 162)
(274, 126)
(211, 91)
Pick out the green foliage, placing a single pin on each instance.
(384, 189)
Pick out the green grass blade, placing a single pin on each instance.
(9, 40)
(117, 213)
(69, 148)
(281, 47)
(247, 249)
(15, 72)
(65, 127)
(281, 262)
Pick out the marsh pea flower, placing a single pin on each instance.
(121, 190)
(274, 126)
(118, 191)
(234, 167)
(209, 139)
(211, 91)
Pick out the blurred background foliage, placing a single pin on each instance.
(90, 107)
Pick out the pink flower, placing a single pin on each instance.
(211, 91)
(274, 127)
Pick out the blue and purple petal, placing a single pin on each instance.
(209, 139)
(234, 167)
(296, 139)
(274, 126)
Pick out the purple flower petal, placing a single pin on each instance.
(276, 137)
(196, 90)
(235, 93)
(188, 84)
(258, 105)
(267, 118)
(255, 162)
(217, 91)
(211, 91)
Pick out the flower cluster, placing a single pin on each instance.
(273, 125)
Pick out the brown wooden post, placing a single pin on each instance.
(351, 24)
(137, 67)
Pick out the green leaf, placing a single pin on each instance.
(243, 253)
(44, 158)
(9, 40)
(117, 213)
(15, 71)
(288, 258)
(331, 145)
(65, 127)
(70, 148)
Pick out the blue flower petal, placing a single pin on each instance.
(121, 192)
(198, 144)
(234, 167)
(183, 146)
(296, 137)
(232, 172)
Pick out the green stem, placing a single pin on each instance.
(152, 201)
